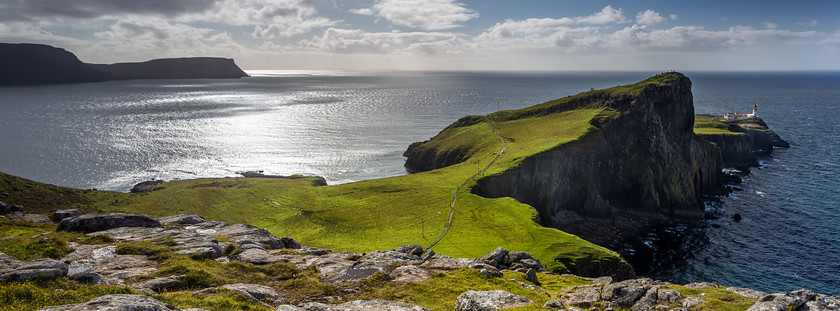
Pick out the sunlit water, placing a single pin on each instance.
(348, 127)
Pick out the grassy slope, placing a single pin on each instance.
(706, 125)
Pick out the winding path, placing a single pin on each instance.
(455, 197)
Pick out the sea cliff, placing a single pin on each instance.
(643, 165)
(175, 68)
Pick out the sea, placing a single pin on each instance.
(352, 126)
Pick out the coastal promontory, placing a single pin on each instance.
(33, 64)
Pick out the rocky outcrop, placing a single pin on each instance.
(743, 140)
(105, 221)
(28, 64)
(117, 302)
(146, 186)
(43, 268)
(489, 301)
(176, 68)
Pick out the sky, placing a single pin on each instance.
(522, 35)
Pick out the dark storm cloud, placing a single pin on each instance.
(29, 10)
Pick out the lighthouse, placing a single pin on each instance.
(755, 111)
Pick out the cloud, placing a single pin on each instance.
(673, 17)
(90, 9)
(607, 15)
(561, 36)
(361, 11)
(282, 30)
(356, 41)
(424, 14)
(143, 39)
(770, 25)
(649, 17)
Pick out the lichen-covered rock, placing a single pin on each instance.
(409, 273)
(691, 302)
(182, 219)
(554, 304)
(105, 221)
(701, 285)
(46, 267)
(258, 293)
(155, 285)
(489, 301)
(413, 249)
(117, 303)
(257, 256)
(583, 296)
(783, 301)
(8, 262)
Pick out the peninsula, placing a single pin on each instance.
(32, 64)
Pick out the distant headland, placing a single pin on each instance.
(33, 64)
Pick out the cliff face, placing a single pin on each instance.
(641, 167)
(176, 68)
(739, 141)
(28, 64)
(647, 163)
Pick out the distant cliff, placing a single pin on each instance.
(28, 64)
(176, 68)
(739, 141)
(644, 166)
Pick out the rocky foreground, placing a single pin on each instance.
(127, 257)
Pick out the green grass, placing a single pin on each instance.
(708, 125)
(718, 299)
(34, 295)
(27, 241)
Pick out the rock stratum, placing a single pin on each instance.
(33, 64)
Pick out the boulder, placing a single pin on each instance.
(146, 186)
(647, 302)
(554, 304)
(489, 300)
(105, 221)
(823, 303)
(290, 243)
(668, 295)
(583, 296)
(117, 302)
(182, 219)
(67, 213)
(258, 293)
(242, 234)
(207, 250)
(409, 273)
(497, 257)
(49, 268)
(256, 256)
(413, 249)
(531, 275)
(8, 262)
(691, 302)
(10, 208)
(783, 301)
